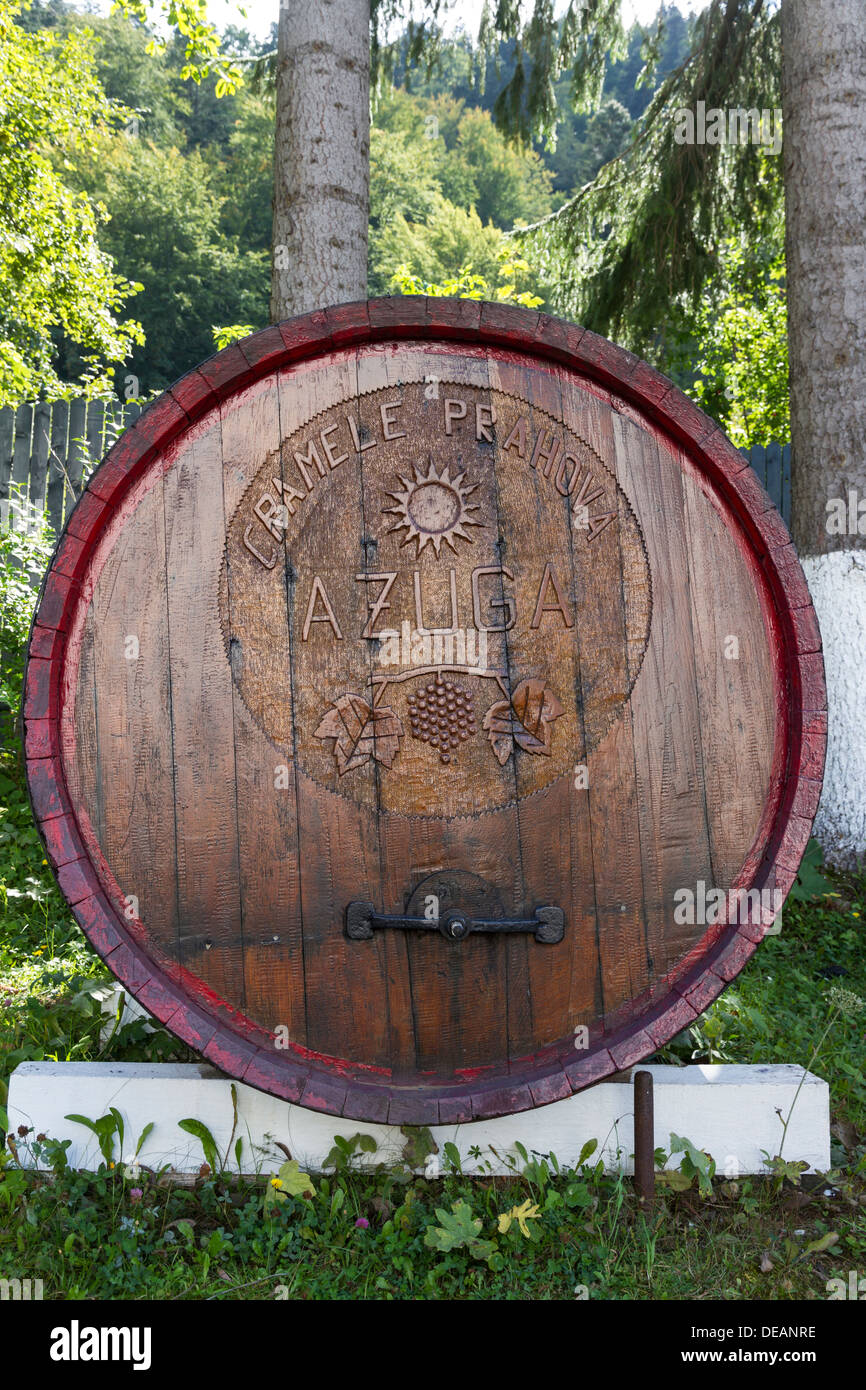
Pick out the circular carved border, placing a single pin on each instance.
(304, 425)
(182, 1003)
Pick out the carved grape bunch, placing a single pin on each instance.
(443, 715)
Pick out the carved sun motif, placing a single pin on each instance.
(432, 508)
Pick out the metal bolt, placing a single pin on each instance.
(457, 928)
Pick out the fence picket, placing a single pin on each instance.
(774, 473)
(57, 464)
(95, 413)
(77, 455)
(22, 445)
(41, 450)
(7, 446)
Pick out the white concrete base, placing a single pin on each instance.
(729, 1111)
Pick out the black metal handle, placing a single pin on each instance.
(547, 924)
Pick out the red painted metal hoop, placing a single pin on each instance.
(220, 1032)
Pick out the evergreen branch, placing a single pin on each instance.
(644, 235)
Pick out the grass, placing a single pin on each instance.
(115, 1234)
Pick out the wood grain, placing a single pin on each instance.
(665, 713)
(266, 790)
(131, 703)
(202, 716)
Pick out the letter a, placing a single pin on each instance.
(548, 580)
(318, 591)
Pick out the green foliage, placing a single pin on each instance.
(403, 181)
(56, 283)
(719, 1033)
(106, 1129)
(784, 1170)
(127, 1233)
(187, 183)
(243, 172)
(777, 1009)
(451, 1154)
(588, 35)
(344, 1151)
(443, 182)
(436, 249)
(586, 1152)
(204, 52)
(13, 1186)
(378, 1233)
(202, 250)
(741, 327)
(471, 281)
(844, 1003)
(640, 243)
(462, 74)
(200, 1131)
(608, 131)
(810, 881)
(223, 336)
(213, 1163)
(289, 1182)
(24, 554)
(84, 1232)
(419, 1145)
(481, 169)
(458, 1229)
(145, 84)
(165, 223)
(695, 1165)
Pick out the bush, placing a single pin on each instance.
(26, 543)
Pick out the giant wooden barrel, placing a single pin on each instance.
(406, 683)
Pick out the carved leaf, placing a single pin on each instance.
(499, 723)
(536, 707)
(361, 733)
(387, 732)
(525, 719)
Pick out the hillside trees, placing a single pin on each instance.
(58, 288)
(167, 225)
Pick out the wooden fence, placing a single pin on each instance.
(49, 451)
(773, 467)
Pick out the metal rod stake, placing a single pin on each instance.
(644, 1138)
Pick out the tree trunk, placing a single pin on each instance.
(322, 155)
(824, 103)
